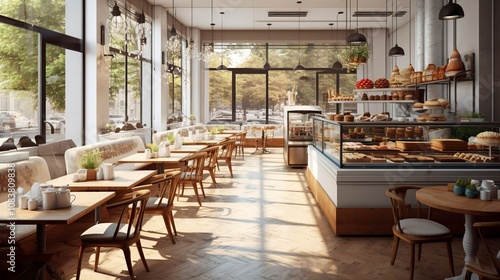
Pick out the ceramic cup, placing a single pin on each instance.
(487, 183)
(485, 195)
(49, 199)
(23, 202)
(32, 204)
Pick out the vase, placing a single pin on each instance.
(471, 193)
(458, 190)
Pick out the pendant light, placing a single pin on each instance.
(356, 37)
(174, 41)
(451, 11)
(115, 18)
(191, 46)
(337, 65)
(267, 66)
(396, 50)
(299, 66)
(222, 66)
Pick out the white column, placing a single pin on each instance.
(96, 71)
(419, 36)
(160, 87)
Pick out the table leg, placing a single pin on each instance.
(256, 145)
(41, 247)
(160, 168)
(470, 243)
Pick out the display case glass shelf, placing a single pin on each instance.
(388, 144)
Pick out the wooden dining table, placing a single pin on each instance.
(161, 162)
(84, 203)
(123, 181)
(440, 197)
(189, 149)
(219, 138)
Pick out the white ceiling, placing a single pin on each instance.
(252, 14)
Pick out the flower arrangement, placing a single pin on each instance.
(464, 183)
(91, 159)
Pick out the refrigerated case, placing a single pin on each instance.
(298, 133)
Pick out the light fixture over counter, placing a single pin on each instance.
(451, 11)
(356, 37)
(222, 66)
(299, 66)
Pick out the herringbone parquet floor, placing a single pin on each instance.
(262, 224)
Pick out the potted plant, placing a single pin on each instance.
(461, 185)
(471, 190)
(192, 118)
(352, 56)
(153, 148)
(473, 117)
(213, 131)
(91, 160)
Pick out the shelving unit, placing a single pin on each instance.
(463, 76)
(405, 109)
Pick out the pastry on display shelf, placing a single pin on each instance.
(427, 76)
(488, 135)
(455, 64)
(382, 83)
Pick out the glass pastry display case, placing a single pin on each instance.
(298, 133)
(389, 144)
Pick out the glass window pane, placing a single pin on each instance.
(18, 82)
(47, 14)
(117, 91)
(56, 93)
(220, 100)
(134, 91)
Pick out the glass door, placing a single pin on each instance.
(252, 98)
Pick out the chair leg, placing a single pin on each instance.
(167, 224)
(141, 253)
(126, 252)
(412, 261)
(468, 275)
(450, 258)
(419, 250)
(395, 245)
(202, 189)
(80, 257)
(228, 162)
(172, 222)
(195, 188)
(212, 174)
(97, 254)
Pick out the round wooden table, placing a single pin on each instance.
(440, 198)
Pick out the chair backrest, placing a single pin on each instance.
(167, 183)
(132, 227)
(194, 164)
(211, 159)
(226, 148)
(401, 208)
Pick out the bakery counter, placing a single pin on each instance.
(387, 144)
(354, 201)
(351, 164)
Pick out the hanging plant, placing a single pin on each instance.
(352, 56)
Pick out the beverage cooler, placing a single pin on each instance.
(298, 133)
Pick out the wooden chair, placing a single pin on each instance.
(211, 161)
(163, 204)
(240, 144)
(486, 269)
(226, 153)
(410, 226)
(192, 173)
(118, 234)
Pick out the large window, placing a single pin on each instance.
(249, 90)
(130, 47)
(32, 44)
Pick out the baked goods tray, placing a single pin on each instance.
(490, 142)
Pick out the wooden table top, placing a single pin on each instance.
(216, 141)
(84, 203)
(440, 198)
(189, 149)
(124, 180)
(140, 158)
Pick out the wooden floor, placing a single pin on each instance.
(262, 224)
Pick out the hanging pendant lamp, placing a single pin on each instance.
(396, 50)
(451, 11)
(299, 66)
(337, 65)
(222, 66)
(356, 38)
(267, 66)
